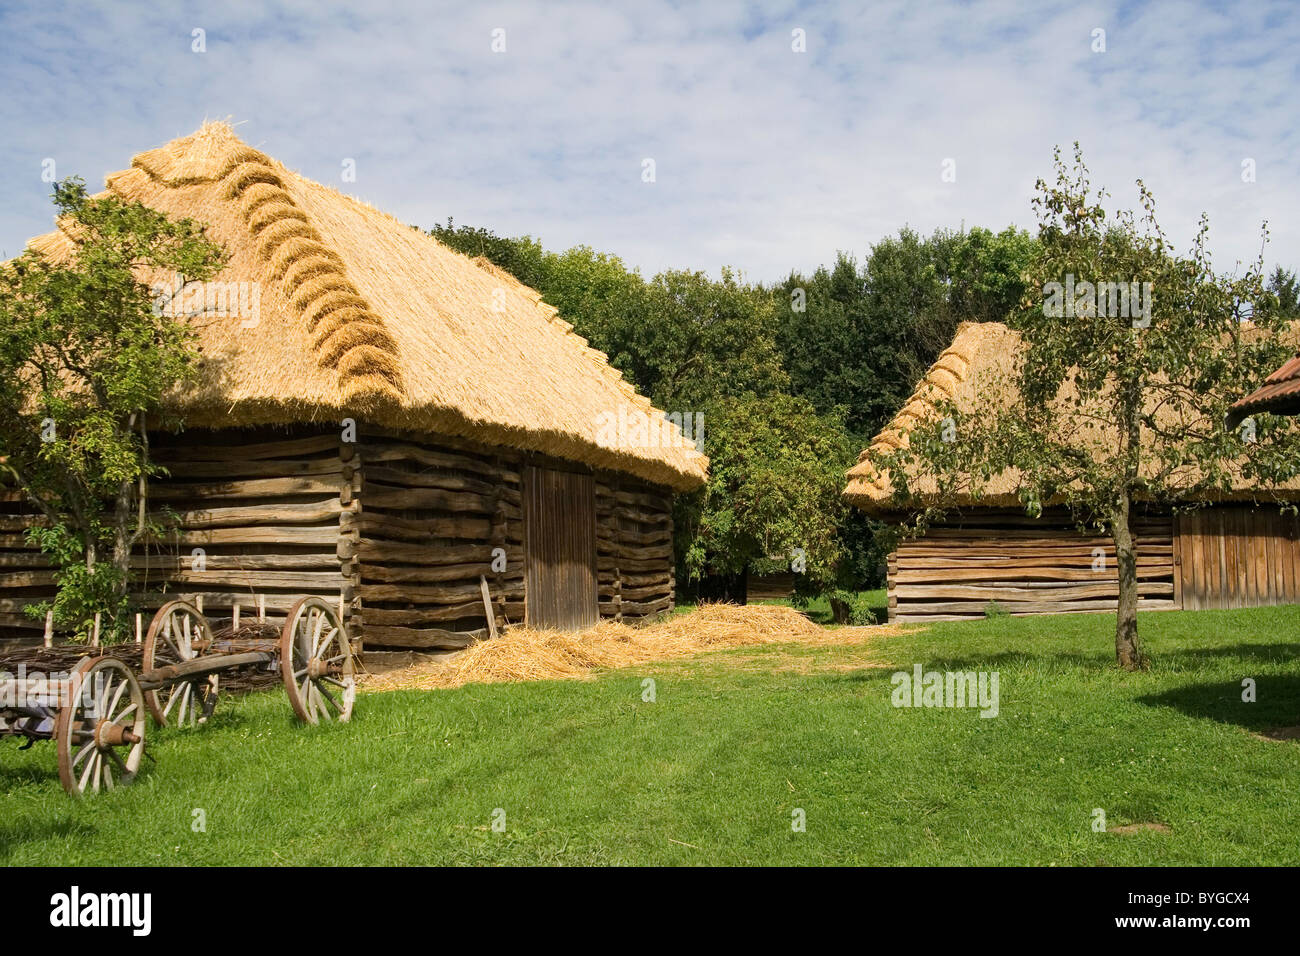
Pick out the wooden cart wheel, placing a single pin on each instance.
(179, 632)
(316, 662)
(100, 729)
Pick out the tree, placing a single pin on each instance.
(985, 273)
(1130, 358)
(776, 473)
(521, 257)
(86, 360)
(1283, 284)
(861, 337)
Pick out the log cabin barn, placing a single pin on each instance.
(382, 421)
(1239, 550)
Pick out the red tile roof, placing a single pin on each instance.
(1279, 394)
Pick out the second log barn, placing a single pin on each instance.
(384, 422)
(1238, 550)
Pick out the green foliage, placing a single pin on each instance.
(775, 478)
(1283, 284)
(521, 257)
(852, 354)
(994, 609)
(85, 360)
(866, 335)
(1098, 411)
(855, 608)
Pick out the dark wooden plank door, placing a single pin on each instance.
(560, 543)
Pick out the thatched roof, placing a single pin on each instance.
(952, 377)
(362, 316)
(978, 363)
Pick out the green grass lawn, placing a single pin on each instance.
(712, 771)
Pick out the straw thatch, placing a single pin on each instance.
(522, 654)
(362, 316)
(978, 365)
(979, 351)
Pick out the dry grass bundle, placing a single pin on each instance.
(522, 654)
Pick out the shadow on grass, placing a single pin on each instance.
(1277, 702)
(1280, 653)
(1104, 656)
(13, 835)
(11, 778)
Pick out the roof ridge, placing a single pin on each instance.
(941, 381)
(552, 315)
(347, 335)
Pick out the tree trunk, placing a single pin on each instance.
(841, 613)
(1128, 652)
(123, 539)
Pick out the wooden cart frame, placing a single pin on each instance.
(97, 714)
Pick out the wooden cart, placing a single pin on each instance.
(96, 715)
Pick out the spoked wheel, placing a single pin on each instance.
(100, 729)
(316, 663)
(179, 632)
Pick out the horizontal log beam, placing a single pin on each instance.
(912, 612)
(421, 530)
(376, 551)
(413, 594)
(166, 563)
(386, 636)
(435, 479)
(1009, 593)
(260, 580)
(449, 572)
(260, 488)
(286, 448)
(434, 612)
(251, 470)
(297, 535)
(940, 575)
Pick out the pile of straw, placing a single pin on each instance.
(522, 654)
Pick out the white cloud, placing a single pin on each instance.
(766, 159)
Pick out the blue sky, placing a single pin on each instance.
(765, 159)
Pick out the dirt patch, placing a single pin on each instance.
(1278, 734)
(521, 654)
(1135, 827)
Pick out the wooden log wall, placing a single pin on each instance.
(634, 548)
(249, 514)
(25, 574)
(1232, 556)
(431, 514)
(1027, 565)
(399, 530)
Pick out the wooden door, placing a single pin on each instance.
(1232, 556)
(560, 543)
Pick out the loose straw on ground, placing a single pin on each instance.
(521, 654)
